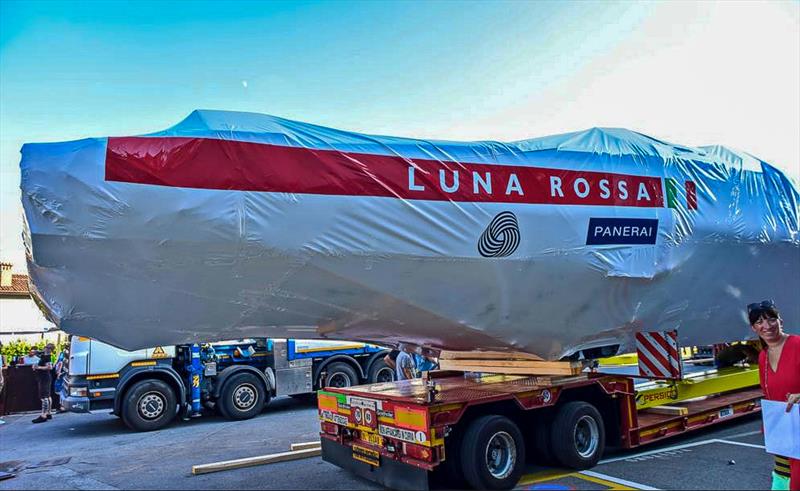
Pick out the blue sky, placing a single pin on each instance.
(693, 73)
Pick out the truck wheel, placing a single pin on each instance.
(149, 405)
(242, 397)
(340, 375)
(578, 436)
(380, 372)
(492, 453)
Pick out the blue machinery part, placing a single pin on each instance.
(195, 371)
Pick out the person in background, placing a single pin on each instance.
(60, 372)
(32, 358)
(2, 379)
(390, 358)
(425, 362)
(779, 375)
(405, 363)
(44, 379)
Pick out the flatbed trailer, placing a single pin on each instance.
(461, 429)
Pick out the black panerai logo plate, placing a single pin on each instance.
(501, 237)
(603, 231)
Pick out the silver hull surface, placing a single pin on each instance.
(129, 242)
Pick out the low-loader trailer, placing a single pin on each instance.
(478, 430)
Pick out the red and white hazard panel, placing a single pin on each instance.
(659, 356)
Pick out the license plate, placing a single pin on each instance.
(367, 455)
(372, 438)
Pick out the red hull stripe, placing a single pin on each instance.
(207, 163)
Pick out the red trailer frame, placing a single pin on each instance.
(397, 433)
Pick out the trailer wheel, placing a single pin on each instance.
(542, 453)
(340, 375)
(492, 453)
(578, 436)
(149, 405)
(380, 372)
(242, 397)
(449, 472)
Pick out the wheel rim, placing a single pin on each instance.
(245, 397)
(587, 436)
(338, 380)
(151, 405)
(501, 455)
(385, 374)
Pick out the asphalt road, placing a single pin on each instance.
(97, 451)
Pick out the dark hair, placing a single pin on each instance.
(767, 308)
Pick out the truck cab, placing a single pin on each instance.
(148, 388)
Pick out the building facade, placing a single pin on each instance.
(20, 317)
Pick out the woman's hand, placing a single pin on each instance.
(791, 400)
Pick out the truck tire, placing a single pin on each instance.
(578, 435)
(339, 375)
(380, 372)
(149, 405)
(242, 397)
(492, 453)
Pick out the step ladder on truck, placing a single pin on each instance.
(467, 428)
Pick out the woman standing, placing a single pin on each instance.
(779, 371)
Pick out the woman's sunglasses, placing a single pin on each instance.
(766, 304)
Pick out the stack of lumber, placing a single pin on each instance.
(515, 363)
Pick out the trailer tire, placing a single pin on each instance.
(242, 397)
(149, 405)
(542, 452)
(339, 375)
(449, 472)
(380, 372)
(492, 453)
(578, 435)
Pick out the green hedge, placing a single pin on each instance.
(20, 347)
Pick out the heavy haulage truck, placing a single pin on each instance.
(148, 388)
(478, 430)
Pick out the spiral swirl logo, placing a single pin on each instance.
(501, 237)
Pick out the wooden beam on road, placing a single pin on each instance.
(305, 445)
(253, 461)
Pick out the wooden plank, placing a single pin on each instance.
(253, 461)
(669, 410)
(528, 367)
(304, 445)
(487, 355)
(519, 371)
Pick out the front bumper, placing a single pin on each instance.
(392, 474)
(84, 404)
(74, 404)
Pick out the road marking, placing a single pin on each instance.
(606, 479)
(742, 435)
(743, 444)
(681, 447)
(653, 452)
(545, 475)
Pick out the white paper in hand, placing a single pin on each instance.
(781, 429)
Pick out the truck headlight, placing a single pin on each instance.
(78, 391)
